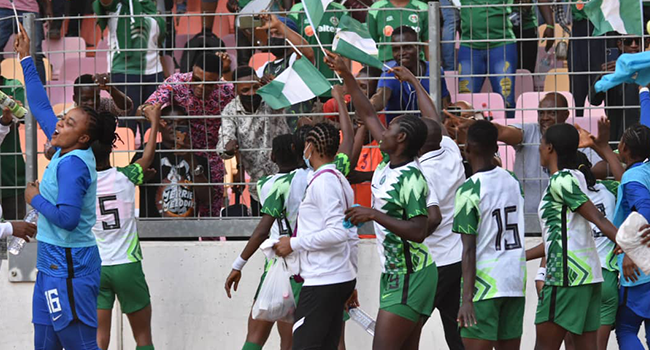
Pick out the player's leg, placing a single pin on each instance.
(45, 338)
(342, 339)
(394, 327)
(413, 342)
(141, 326)
(477, 344)
(103, 328)
(511, 323)
(484, 334)
(105, 302)
(447, 303)
(132, 291)
(510, 344)
(569, 344)
(549, 336)
(549, 333)
(314, 315)
(286, 338)
(628, 324)
(78, 336)
(592, 322)
(585, 341)
(259, 331)
(608, 307)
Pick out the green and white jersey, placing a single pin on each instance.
(571, 256)
(486, 22)
(490, 205)
(604, 198)
(280, 195)
(115, 229)
(326, 31)
(400, 192)
(384, 18)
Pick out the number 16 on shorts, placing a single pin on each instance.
(52, 297)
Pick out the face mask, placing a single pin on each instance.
(251, 103)
(277, 47)
(306, 160)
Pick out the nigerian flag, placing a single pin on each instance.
(314, 9)
(354, 42)
(299, 82)
(622, 16)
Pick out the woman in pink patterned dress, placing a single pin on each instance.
(201, 93)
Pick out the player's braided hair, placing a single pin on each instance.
(325, 137)
(101, 129)
(584, 165)
(416, 133)
(284, 149)
(637, 139)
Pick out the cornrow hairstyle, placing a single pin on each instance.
(564, 138)
(416, 133)
(637, 139)
(584, 165)
(483, 137)
(326, 138)
(300, 135)
(284, 149)
(101, 129)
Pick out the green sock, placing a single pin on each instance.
(251, 346)
(146, 347)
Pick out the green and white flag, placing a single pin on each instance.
(354, 42)
(622, 16)
(315, 9)
(298, 83)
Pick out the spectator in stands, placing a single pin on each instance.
(206, 96)
(385, 16)
(326, 30)
(86, 93)
(450, 24)
(12, 163)
(249, 123)
(524, 25)
(170, 191)
(624, 95)
(396, 96)
(62, 8)
(138, 69)
(498, 56)
(244, 36)
(525, 138)
(586, 52)
(8, 26)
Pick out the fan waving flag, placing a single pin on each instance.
(354, 42)
(299, 82)
(622, 16)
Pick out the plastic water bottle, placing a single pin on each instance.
(363, 319)
(16, 245)
(13, 106)
(347, 224)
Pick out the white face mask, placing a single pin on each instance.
(305, 158)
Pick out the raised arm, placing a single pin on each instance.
(39, 103)
(425, 103)
(152, 113)
(347, 144)
(509, 134)
(600, 145)
(364, 109)
(123, 102)
(276, 27)
(644, 101)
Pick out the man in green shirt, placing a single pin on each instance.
(12, 163)
(326, 31)
(488, 47)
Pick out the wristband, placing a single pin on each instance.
(644, 89)
(239, 263)
(541, 274)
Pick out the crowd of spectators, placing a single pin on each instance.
(214, 113)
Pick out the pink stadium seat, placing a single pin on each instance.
(490, 102)
(231, 43)
(74, 67)
(181, 41)
(523, 83)
(59, 94)
(451, 79)
(8, 50)
(591, 116)
(53, 50)
(528, 103)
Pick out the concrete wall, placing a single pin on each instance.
(192, 311)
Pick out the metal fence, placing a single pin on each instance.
(566, 68)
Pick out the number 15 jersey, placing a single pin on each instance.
(490, 205)
(115, 229)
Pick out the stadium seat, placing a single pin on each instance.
(148, 132)
(189, 24)
(53, 50)
(528, 102)
(180, 42)
(58, 93)
(224, 22)
(11, 69)
(557, 79)
(8, 50)
(559, 33)
(73, 67)
(491, 102)
(260, 58)
(230, 41)
(591, 116)
(451, 80)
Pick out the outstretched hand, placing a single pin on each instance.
(22, 43)
(403, 74)
(336, 63)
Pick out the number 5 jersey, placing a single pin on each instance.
(490, 205)
(115, 229)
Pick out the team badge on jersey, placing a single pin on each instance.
(309, 31)
(388, 30)
(413, 18)
(334, 20)
(389, 18)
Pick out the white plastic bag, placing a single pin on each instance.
(628, 238)
(275, 301)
